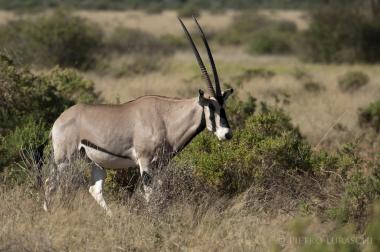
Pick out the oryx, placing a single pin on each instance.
(129, 134)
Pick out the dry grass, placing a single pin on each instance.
(184, 214)
(166, 22)
(218, 225)
(162, 23)
(6, 16)
(158, 24)
(82, 226)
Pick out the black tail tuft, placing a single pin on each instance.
(38, 156)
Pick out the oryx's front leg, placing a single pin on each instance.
(98, 175)
(146, 176)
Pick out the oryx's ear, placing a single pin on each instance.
(227, 93)
(201, 98)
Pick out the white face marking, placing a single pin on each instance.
(213, 121)
(222, 132)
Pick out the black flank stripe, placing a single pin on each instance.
(94, 146)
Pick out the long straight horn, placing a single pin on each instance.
(199, 60)
(216, 77)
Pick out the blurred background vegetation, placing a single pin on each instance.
(306, 113)
(169, 4)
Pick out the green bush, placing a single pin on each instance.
(373, 228)
(370, 116)
(70, 85)
(29, 105)
(358, 181)
(43, 97)
(239, 111)
(154, 8)
(270, 43)
(341, 35)
(189, 9)
(342, 237)
(140, 65)
(57, 39)
(251, 73)
(174, 42)
(266, 148)
(25, 138)
(301, 74)
(352, 81)
(259, 33)
(313, 86)
(242, 28)
(360, 191)
(134, 41)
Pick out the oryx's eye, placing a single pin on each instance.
(211, 107)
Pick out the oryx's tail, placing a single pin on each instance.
(38, 157)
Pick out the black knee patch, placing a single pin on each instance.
(146, 178)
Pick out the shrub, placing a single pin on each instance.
(242, 28)
(189, 9)
(352, 81)
(358, 184)
(360, 191)
(30, 103)
(300, 74)
(373, 229)
(347, 36)
(370, 116)
(57, 39)
(43, 97)
(249, 74)
(239, 111)
(140, 65)
(154, 8)
(270, 43)
(268, 146)
(25, 138)
(313, 86)
(342, 237)
(259, 33)
(134, 41)
(71, 85)
(174, 42)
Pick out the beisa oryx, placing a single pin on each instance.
(130, 134)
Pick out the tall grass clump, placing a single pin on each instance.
(369, 117)
(352, 81)
(341, 35)
(56, 39)
(29, 105)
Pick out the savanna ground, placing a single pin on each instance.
(199, 220)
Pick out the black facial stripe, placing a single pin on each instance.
(223, 119)
(220, 100)
(212, 117)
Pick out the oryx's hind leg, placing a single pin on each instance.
(98, 175)
(52, 182)
(146, 176)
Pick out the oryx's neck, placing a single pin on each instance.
(185, 121)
